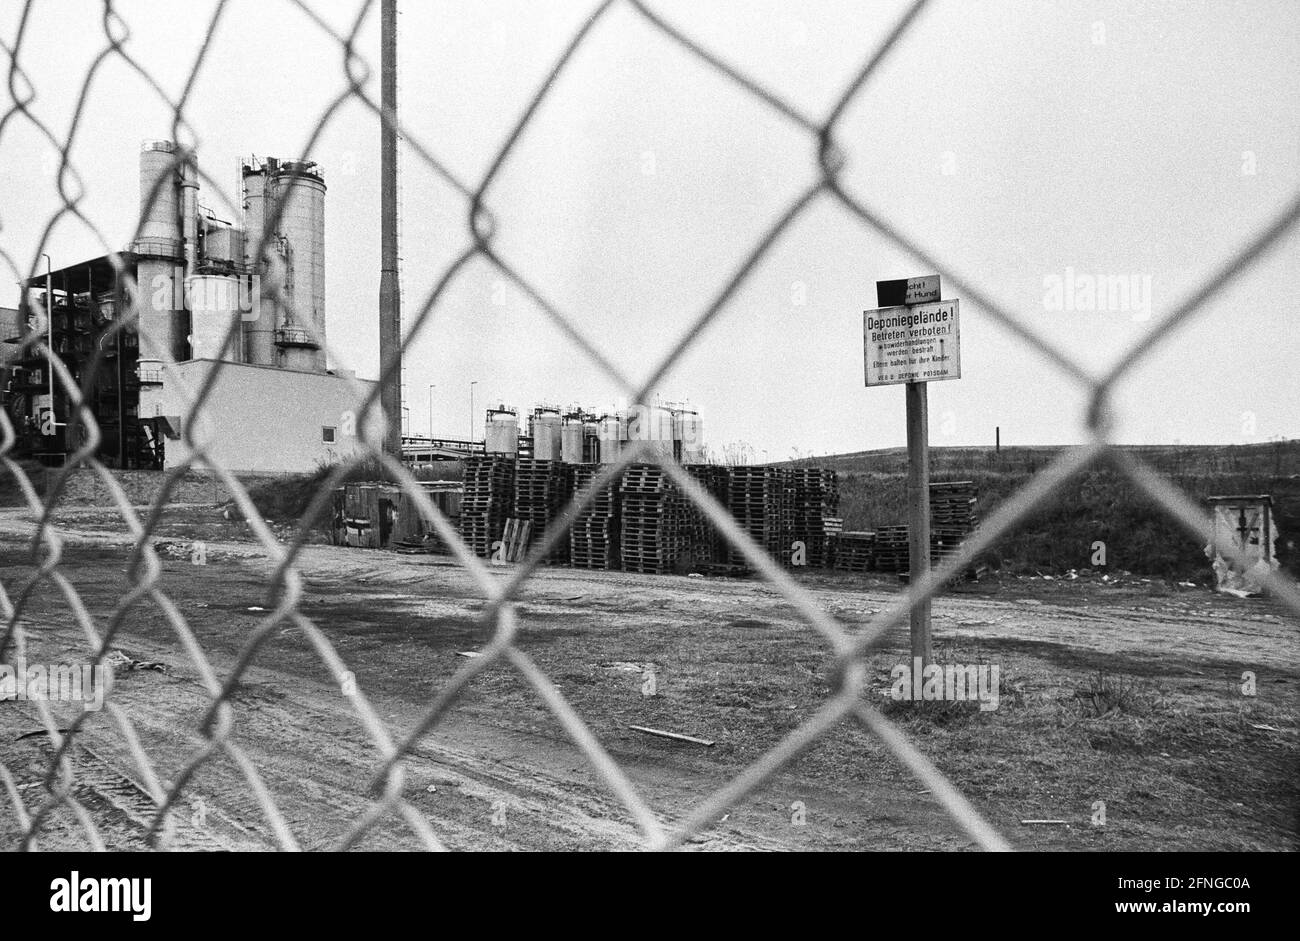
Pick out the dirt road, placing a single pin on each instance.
(1182, 763)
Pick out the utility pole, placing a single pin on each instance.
(390, 299)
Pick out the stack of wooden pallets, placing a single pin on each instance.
(952, 516)
(854, 552)
(891, 549)
(893, 554)
(754, 498)
(945, 543)
(952, 505)
(813, 495)
(656, 521)
(488, 501)
(541, 494)
(593, 537)
(708, 547)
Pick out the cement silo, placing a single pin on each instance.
(609, 435)
(547, 444)
(572, 432)
(299, 188)
(688, 437)
(160, 252)
(259, 324)
(501, 434)
(654, 424)
(160, 227)
(214, 314)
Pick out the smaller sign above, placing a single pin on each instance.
(902, 291)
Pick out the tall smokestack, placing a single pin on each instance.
(161, 249)
(390, 300)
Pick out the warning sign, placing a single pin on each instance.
(913, 343)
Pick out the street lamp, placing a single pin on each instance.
(471, 410)
(431, 411)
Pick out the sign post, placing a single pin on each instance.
(918, 514)
(914, 338)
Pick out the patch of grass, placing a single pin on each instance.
(1108, 693)
(937, 712)
(944, 712)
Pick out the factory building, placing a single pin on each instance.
(203, 299)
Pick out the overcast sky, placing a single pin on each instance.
(1020, 143)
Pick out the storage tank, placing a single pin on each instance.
(161, 211)
(651, 423)
(223, 244)
(501, 435)
(300, 189)
(688, 432)
(160, 255)
(546, 435)
(259, 325)
(214, 313)
(608, 433)
(571, 435)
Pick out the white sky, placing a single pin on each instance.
(1001, 136)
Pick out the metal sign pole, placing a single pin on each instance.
(918, 514)
(913, 339)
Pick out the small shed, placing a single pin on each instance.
(1244, 522)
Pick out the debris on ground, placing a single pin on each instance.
(675, 736)
(119, 660)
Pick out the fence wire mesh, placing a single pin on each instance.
(217, 726)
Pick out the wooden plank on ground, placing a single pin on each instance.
(676, 736)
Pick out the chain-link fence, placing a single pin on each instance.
(217, 726)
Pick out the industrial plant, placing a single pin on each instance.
(205, 303)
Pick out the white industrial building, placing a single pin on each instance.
(265, 419)
(274, 405)
(203, 298)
